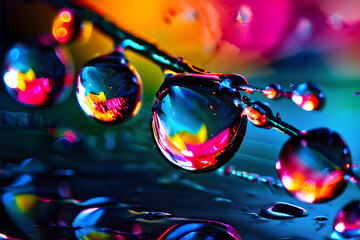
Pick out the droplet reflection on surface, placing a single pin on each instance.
(196, 124)
(109, 88)
(311, 165)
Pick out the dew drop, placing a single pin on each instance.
(201, 230)
(346, 224)
(308, 96)
(190, 135)
(66, 26)
(109, 90)
(313, 172)
(39, 75)
(282, 210)
(272, 91)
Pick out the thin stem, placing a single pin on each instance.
(275, 122)
(128, 40)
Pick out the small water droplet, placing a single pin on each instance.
(321, 218)
(282, 210)
(346, 223)
(272, 91)
(308, 96)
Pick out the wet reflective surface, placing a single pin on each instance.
(36, 74)
(196, 124)
(109, 88)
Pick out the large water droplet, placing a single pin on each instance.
(311, 165)
(308, 96)
(347, 222)
(196, 124)
(36, 74)
(109, 88)
(282, 210)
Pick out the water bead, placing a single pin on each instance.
(347, 222)
(308, 96)
(37, 74)
(66, 26)
(311, 165)
(257, 114)
(197, 126)
(109, 88)
(272, 91)
(200, 230)
(283, 210)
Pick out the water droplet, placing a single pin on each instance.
(66, 26)
(308, 96)
(346, 223)
(257, 114)
(272, 91)
(190, 135)
(38, 75)
(201, 230)
(109, 89)
(282, 210)
(311, 165)
(321, 218)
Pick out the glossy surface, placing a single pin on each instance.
(109, 88)
(201, 230)
(196, 124)
(308, 96)
(311, 165)
(347, 222)
(37, 75)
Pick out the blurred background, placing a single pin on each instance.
(280, 41)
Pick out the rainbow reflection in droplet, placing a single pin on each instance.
(347, 222)
(37, 74)
(197, 125)
(311, 165)
(308, 96)
(109, 88)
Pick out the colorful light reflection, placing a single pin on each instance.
(65, 26)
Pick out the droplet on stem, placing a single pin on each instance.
(109, 88)
(308, 96)
(311, 165)
(197, 127)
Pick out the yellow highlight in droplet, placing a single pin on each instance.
(26, 202)
(29, 76)
(184, 137)
(90, 101)
(97, 236)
